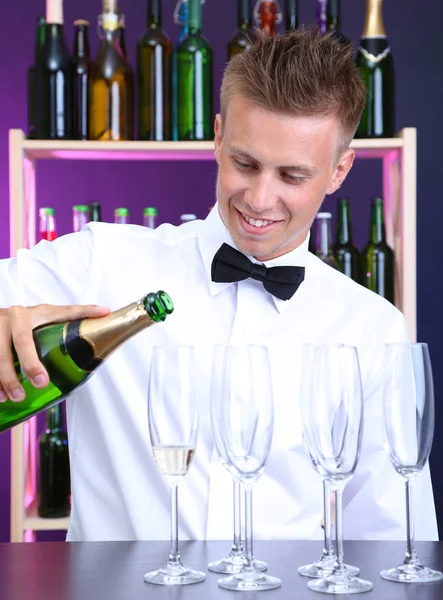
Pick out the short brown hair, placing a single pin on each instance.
(301, 73)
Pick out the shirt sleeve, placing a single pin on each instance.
(58, 272)
(374, 500)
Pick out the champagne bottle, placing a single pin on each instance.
(378, 257)
(72, 351)
(54, 81)
(80, 214)
(324, 239)
(47, 224)
(194, 81)
(112, 83)
(181, 17)
(375, 62)
(292, 12)
(345, 253)
(82, 75)
(154, 78)
(95, 211)
(333, 21)
(244, 36)
(40, 40)
(268, 15)
(121, 216)
(149, 217)
(54, 497)
(54, 477)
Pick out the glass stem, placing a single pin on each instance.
(237, 548)
(328, 551)
(411, 557)
(339, 560)
(174, 555)
(249, 552)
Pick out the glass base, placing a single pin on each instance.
(324, 567)
(234, 564)
(249, 581)
(411, 573)
(342, 583)
(174, 575)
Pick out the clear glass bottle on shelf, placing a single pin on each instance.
(324, 239)
(150, 217)
(185, 218)
(80, 216)
(121, 216)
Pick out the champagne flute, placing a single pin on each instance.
(408, 423)
(173, 425)
(242, 417)
(236, 559)
(332, 415)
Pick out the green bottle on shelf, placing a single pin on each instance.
(244, 36)
(95, 211)
(71, 352)
(40, 40)
(346, 254)
(54, 498)
(194, 81)
(378, 257)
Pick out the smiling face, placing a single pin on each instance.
(274, 171)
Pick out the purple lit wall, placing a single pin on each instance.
(178, 187)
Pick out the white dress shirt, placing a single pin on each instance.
(118, 492)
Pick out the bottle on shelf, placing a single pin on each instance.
(150, 217)
(111, 114)
(54, 81)
(333, 21)
(244, 35)
(194, 81)
(121, 216)
(72, 351)
(267, 14)
(83, 66)
(54, 477)
(181, 18)
(376, 64)
(378, 257)
(154, 78)
(80, 216)
(324, 239)
(121, 34)
(39, 41)
(345, 252)
(47, 225)
(95, 211)
(320, 15)
(187, 217)
(291, 12)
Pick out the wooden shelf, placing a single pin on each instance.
(135, 150)
(36, 523)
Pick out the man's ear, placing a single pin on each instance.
(341, 171)
(217, 137)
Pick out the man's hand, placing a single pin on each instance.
(16, 325)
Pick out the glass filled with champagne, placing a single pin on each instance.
(173, 426)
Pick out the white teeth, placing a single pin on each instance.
(256, 223)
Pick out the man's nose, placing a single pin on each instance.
(261, 194)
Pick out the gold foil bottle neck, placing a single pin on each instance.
(374, 26)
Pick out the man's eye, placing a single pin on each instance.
(293, 178)
(241, 165)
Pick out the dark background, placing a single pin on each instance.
(414, 30)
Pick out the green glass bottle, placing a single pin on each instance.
(345, 253)
(95, 211)
(72, 351)
(333, 21)
(54, 497)
(292, 12)
(83, 72)
(40, 40)
(375, 62)
(194, 81)
(244, 36)
(378, 257)
(181, 17)
(323, 246)
(154, 78)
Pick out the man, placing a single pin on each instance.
(289, 109)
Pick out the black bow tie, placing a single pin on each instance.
(230, 265)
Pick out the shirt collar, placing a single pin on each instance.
(213, 233)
